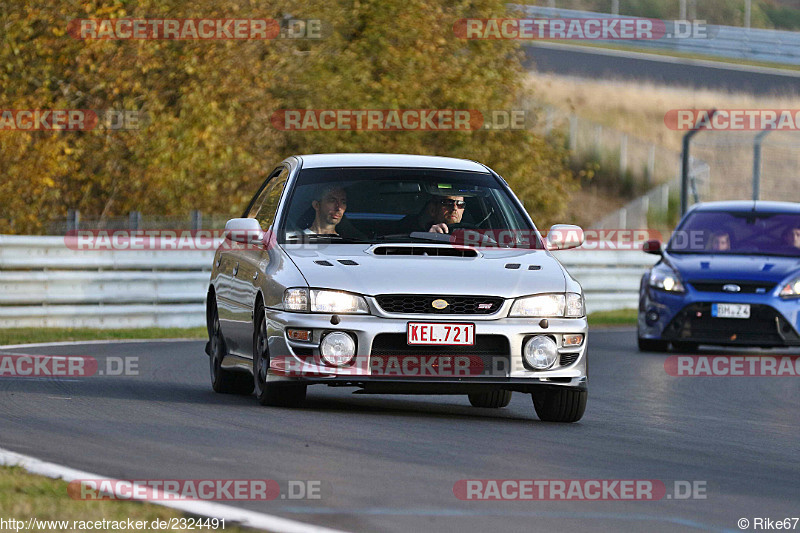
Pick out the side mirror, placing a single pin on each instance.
(564, 237)
(653, 246)
(244, 230)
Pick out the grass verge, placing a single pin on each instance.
(24, 496)
(619, 317)
(32, 335)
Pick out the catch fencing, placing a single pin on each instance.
(43, 283)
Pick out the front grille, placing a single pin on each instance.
(419, 304)
(746, 287)
(764, 327)
(488, 356)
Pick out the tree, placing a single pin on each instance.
(205, 139)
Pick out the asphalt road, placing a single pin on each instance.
(389, 463)
(601, 64)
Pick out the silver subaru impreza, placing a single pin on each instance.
(396, 274)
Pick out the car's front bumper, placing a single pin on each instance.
(498, 363)
(687, 317)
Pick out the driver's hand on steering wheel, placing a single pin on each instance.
(439, 228)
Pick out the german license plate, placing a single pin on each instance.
(432, 334)
(730, 310)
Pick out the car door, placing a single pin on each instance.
(250, 263)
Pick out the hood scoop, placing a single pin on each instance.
(433, 251)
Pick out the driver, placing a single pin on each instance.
(438, 216)
(791, 237)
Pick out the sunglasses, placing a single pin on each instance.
(450, 203)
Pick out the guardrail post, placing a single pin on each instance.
(134, 220)
(757, 162)
(73, 220)
(573, 133)
(598, 135)
(615, 7)
(651, 166)
(197, 219)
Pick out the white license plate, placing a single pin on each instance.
(441, 334)
(730, 310)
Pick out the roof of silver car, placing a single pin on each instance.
(389, 160)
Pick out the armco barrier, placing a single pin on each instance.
(728, 42)
(45, 284)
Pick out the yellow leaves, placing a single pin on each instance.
(208, 136)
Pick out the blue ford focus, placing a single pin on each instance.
(730, 275)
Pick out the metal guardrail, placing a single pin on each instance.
(730, 42)
(43, 283)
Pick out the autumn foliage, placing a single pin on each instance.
(205, 140)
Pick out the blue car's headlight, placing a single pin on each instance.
(791, 289)
(664, 278)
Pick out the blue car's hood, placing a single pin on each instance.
(733, 267)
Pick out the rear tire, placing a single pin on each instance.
(652, 345)
(493, 399)
(224, 381)
(559, 404)
(271, 394)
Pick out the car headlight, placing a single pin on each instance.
(664, 278)
(323, 301)
(542, 305)
(791, 289)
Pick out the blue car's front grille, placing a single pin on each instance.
(745, 287)
(766, 327)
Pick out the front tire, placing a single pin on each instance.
(559, 404)
(224, 381)
(493, 399)
(271, 394)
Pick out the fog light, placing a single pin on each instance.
(651, 317)
(573, 340)
(337, 348)
(299, 334)
(540, 352)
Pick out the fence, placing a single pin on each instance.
(636, 163)
(45, 284)
(729, 42)
(731, 163)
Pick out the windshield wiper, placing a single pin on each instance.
(326, 237)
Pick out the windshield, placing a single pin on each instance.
(749, 233)
(381, 205)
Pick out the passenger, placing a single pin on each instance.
(720, 241)
(329, 203)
